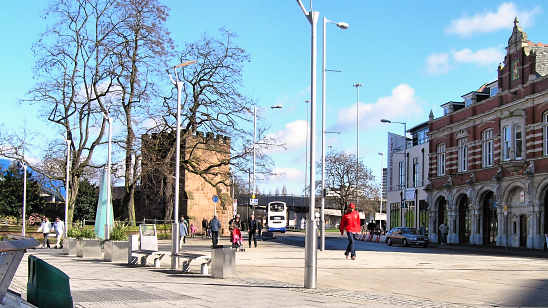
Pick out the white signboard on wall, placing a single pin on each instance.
(410, 194)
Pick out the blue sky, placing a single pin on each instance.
(411, 57)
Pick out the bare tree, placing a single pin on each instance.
(141, 44)
(345, 184)
(75, 82)
(212, 103)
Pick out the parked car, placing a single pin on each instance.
(406, 236)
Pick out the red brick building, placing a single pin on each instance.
(489, 155)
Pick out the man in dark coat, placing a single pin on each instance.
(253, 226)
(215, 225)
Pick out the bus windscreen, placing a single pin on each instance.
(276, 207)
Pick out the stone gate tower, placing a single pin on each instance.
(204, 171)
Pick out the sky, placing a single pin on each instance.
(410, 56)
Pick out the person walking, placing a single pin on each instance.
(253, 227)
(204, 228)
(260, 229)
(443, 234)
(183, 231)
(215, 225)
(59, 228)
(45, 228)
(350, 222)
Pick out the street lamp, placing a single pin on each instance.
(357, 85)
(255, 142)
(24, 165)
(404, 155)
(344, 26)
(310, 270)
(175, 227)
(306, 151)
(382, 167)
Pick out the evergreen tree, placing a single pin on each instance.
(11, 193)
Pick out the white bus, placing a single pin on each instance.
(276, 215)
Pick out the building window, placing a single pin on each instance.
(545, 119)
(415, 172)
(467, 102)
(400, 170)
(441, 159)
(462, 155)
(507, 142)
(518, 142)
(487, 148)
(493, 91)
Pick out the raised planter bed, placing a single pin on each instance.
(89, 249)
(116, 251)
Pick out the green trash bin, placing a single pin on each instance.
(47, 285)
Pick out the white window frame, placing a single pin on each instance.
(487, 147)
(506, 144)
(462, 155)
(518, 148)
(545, 129)
(441, 159)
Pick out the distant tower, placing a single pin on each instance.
(199, 152)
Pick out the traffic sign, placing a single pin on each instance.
(253, 201)
(215, 199)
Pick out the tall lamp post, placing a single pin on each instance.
(310, 270)
(357, 85)
(404, 157)
(24, 165)
(306, 151)
(341, 25)
(382, 184)
(255, 142)
(175, 227)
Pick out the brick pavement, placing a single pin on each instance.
(268, 276)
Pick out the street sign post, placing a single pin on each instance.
(215, 200)
(253, 201)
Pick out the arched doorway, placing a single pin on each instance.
(442, 214)
(522, 230)
(489, 217)
(546, 212)
(464, 226)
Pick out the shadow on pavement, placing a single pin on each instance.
(536, 295)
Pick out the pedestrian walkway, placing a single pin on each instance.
(272, 276)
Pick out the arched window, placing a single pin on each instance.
(487, 147)
(441, 159)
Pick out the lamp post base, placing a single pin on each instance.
(311, 245)
(174, 245)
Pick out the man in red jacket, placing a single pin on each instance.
(350, 222)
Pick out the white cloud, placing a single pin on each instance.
(485, 56)
(402, 102)
(292, 136)
(490, 21)
(437, 63)
(286, 174)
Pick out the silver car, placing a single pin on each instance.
(406, 236)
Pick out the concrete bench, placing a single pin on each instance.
(144, 255)
(188, 258)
